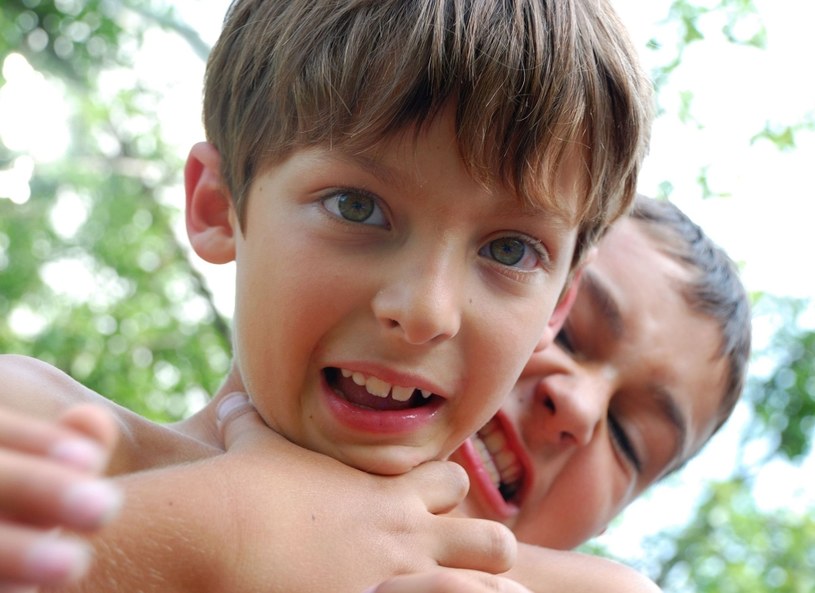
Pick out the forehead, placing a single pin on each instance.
(666, 346)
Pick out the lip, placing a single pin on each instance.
(383, 422)
(481, 484)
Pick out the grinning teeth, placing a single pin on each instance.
(377, 387)
(402, 394)
(501, 462)
(494, 441)
(487, 461)
(380, 388)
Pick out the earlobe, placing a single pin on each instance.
(209, 213)
(561, 311)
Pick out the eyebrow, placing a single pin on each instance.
(601, 298)
(371, 165)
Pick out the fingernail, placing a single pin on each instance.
(230, 403)
(91, 504)
(53, 561)
(81, 453)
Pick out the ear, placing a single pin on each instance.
(562, 309)
(211, 225)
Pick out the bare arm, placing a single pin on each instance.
(553, 571)
(538, 570)
(268, 515)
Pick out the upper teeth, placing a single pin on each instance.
(378, 387)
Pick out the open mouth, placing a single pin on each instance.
(502, 464)
(371, 392)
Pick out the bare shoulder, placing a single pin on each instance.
(35, 387)
(543, 570)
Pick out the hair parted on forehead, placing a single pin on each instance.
(533, 82)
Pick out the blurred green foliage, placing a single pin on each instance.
(94, 280)
(136, 322)
(731, 546)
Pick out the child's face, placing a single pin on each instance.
(397, 270)
(600, 416)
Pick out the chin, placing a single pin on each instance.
(384, 461)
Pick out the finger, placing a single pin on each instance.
(30, 557)
(42, 493)
(93, 421)
(477, 544)
(441, 485)
(27, 434)
(239, 423)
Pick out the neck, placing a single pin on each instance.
(201, 426)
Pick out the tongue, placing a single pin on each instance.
(359, 396)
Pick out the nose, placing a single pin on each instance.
(574, 405)
(421, 299)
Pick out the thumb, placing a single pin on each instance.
(238, 421)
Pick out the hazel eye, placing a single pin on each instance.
(507, 251)
(515, 252)
(356, 206)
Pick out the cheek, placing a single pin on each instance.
(565, 520)
(272, 338)
(497, 361)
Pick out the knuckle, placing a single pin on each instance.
(457, 476)
(502, 545)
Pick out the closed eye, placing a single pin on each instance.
(356, 206)
(623, 443)
(563, 340)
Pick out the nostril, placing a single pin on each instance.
(549, 404)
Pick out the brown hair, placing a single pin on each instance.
(533, 82)
(715, 289)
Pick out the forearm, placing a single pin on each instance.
(281, 518)
(166, 538)
(551, 571)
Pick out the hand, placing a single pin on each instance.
(337, 528)
(48, 481)
(268, 515)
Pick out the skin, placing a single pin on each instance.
(622, 399)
